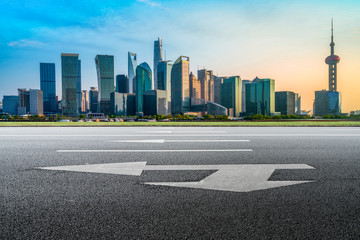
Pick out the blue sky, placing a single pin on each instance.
(285, 40)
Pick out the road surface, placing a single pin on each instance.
(179, 183)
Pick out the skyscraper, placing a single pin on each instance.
(206, 78)
(36, 102)
(69, 77)
(24, 101)
(195, 86)
(78, 86)
(143, 84)
(93, 100)
(180, 87)
(243, 95)
(48, 87)
(157, 59)
(122, 84)
(105, 73)
(164, 79)
(10, 104)
(84, 101)
(260, 97)
(132, 64)
(231, 95)
(285, 102)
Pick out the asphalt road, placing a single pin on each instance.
(179, 183)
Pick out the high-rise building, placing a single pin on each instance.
(260, 97)
(195, 86)
(327, 103)
(78, 87)
(231, 95)
(10, 104)
(297, 104)
(206, 78)
(70, 76)
(243, 95)
(143, 84)
(84, 101)
(24, 101)
(164, 79)
(180, 87)
(48, 87)
(155, 102)
(36, 102)
(132, 64)
(331, 100)
(105, 73)
(157, 59)
(122, 84)
(118, 104)
(285, 102)
(93, 100)
(217, 89)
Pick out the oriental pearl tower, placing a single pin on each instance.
(332, 61)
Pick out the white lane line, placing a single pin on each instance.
(207, 140)
(177, 141)
(152, 150)
(140, 141)
(193, 135)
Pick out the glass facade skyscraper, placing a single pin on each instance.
(48, 87)
(105, 73)
(78, 86)
(132, 64)
(157, 59)
(231, 95)
(164, 79)
(10, 104)
(122, 84)
(69, 75)
(206, 78)
(260, 97)
(93, 100)
(180, 86)
(143, 84)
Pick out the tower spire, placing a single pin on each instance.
(332, 44)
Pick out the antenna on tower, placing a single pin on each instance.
(332, 30)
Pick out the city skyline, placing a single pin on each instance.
(289, 48)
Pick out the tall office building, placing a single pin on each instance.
(143, 84)
(206, 78)
(69, 76)
(333, 97)
(285, 102)
(243, 95)
(48, 87)
(297, 104)
(105, 73)
(260, 97)
(78, 86)
(36, 102)
(122, 84)
(231, 95)
(164, 80)
(84, 101)
(24, 101)
(217, 89)
(195, 86)
(132, 64)
(157, 59)
(155, 102)
(10, 104)
(180, 86)
(93, 100)
(327, 103)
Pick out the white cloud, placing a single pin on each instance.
(25, 43)
(150, 3)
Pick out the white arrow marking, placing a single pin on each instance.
(234, 178)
